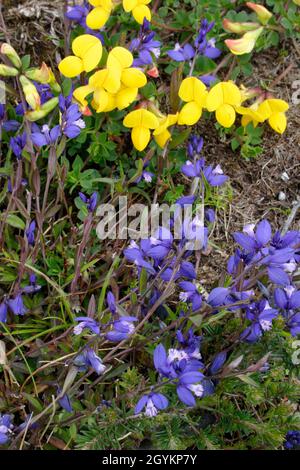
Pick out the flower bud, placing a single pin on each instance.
(263, 14)
(245, 44)
(9, 51)
(44, 75)
(42, 112)
(31, 94)
(154, 73)
(239, 28)
(6, 71)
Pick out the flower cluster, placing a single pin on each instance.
(101, 12)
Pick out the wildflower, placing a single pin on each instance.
(214, 176)
(87, 51)
(263, 14)
(292, 440)
(16, 305)
(72, 124)
(188, 386)
(194, 93)
(245, 44)
(195, 146)
(180, 54)
(78, 13)
(139, 9)
(274, 110)
(122, 329)
(217, 363)
(64, 401)
(17, 144)
(45, 135)
(223, 98)
(99, 15)
(91, 203)
(161, 133)
(190, 294)
(86, 323)
(30, 233)
(288, 301)
(141, 121)
(6, 427)
(90, 359)
(261, 315)
(152, 402)
(254, 240)
(33, 287)
(145, 46)
(111, 302)
(3, 312)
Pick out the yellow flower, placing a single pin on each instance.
(223, 98)
(161, 133)
(138, 8)
(274, 110)
(140, 121)
(99, 15)
(263, 14)
(116, 86)
(87, 51)
(194, 93)
(245, 44)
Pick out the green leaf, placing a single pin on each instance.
(15, 221)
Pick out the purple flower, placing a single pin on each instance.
(208, 79)
(180, 54)
(72, 122)
(261, 315)
(145, 46)
(111, 302)
(122, 329)
(78, 14)
(91, 202)
(86, 323)
(254, 240)
(33, 287)
(30, 233)
(16, 305)
(152, 402)
(3, 312)
(214, 176)
(204, 46)
(65, 402)
(188, 386)
(287, 299)
(218, 363)
(190, 294)
(292, 440)
(90, 359)
(17, 144)
(195, 146)
(44, 136)
(6, 428)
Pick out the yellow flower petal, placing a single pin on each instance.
(81, 93)
(190, 89)
(162, 138)
(231, 94)
(125, 97)
(102, 3)
(190, 114)
(97, 18)
(89, 49)
(140, 12)
(133, 119)
(278, 106)
(119, 58)
(101, 99)
(214, 98)
(71, 66)
(148, 119)
(225, 115)
(129, 5)
(133, 78)
(140, 137)
(278, 122)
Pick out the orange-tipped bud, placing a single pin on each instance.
(31, 94)
(239, 28)
(154, 73)
(11, 54)
(245, 44)
(263, 14)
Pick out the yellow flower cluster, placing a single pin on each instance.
(100, 14)
(224, 99)
(115, 86)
